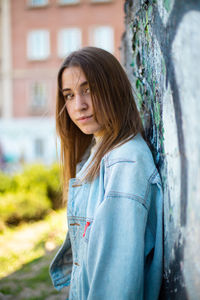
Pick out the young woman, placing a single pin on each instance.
(113, 248)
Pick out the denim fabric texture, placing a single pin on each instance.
(114, 229)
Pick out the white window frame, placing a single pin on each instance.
(36, 51)
(35, 3)
(110, 46)
(69, 34)
(68, 2)
(38, 105)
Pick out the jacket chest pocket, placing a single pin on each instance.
(78, 221)
(76, 227)
(79, 229)
(77, 198)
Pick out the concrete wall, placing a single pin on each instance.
(161, 49)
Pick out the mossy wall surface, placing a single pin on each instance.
(161, 53)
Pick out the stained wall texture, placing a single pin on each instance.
(161, 50)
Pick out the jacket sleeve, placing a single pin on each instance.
(115, 258)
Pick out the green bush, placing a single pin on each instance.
(7, 183)
(33, 176)
(30, 194)
(54, 187)
(41, 178)
(23, 206)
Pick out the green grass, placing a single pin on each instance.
(14, 289)
(42, 297)
(34, 281)
(28, 242)
(6, 290)
(25, 267)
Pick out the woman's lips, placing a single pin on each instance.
(85, 118)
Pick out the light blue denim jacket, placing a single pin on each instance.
(118, 254)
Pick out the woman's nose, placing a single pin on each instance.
(80, 103)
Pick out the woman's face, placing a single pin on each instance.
(78, 100)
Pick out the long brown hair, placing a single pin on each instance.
(113, 104)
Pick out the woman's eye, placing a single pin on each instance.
(86, 91)
(68, 96)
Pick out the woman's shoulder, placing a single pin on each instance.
(133, 149)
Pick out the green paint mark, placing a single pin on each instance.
(146, 28)
(162, 144)
(140, 100)
(148, 100)
(147, 19)
(143, 61)
(170, 211)
(134, 41)
(157, 113)
(132, 64)
(139, 25)
(162, 138)
(163, 67)
(149, 74)
(144, 21)
(150, 10)
(154, 87)
(138, 83)
(147, 31)
(167, 4)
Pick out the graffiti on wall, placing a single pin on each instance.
(155, 38)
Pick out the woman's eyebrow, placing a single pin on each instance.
(65, 90)
(81, 85)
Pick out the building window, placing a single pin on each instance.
(38, 96)
(68, 40)
(103, 37)
(63, 2)
(37, 3)
(39, 147)
(38, 46)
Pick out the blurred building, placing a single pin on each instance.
(35, 36)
